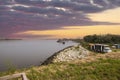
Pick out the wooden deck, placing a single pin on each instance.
(19, 75)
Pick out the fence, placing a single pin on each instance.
(19, 75)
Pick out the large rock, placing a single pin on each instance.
(68, 54)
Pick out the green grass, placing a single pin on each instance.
(101, 70)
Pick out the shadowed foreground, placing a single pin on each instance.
(94, 67)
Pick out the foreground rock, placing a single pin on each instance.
(68, 54)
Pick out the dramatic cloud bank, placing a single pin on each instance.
(22, 15)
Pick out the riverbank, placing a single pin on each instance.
(91, 67)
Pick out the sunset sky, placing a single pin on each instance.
(53, 19)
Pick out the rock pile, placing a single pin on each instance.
(72, 53)
(68, 54)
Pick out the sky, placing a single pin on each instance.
(53, 19)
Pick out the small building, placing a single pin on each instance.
(117, 46)
(100, 48)
(91, 46)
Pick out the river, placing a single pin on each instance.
(27, 53)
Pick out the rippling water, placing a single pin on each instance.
(26, 53)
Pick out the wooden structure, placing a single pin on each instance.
(13, 76)
(100, 48)
(117, 46)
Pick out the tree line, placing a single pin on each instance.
(108, 38)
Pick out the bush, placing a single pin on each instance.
(109, 38)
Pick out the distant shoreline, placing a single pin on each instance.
(9, 39)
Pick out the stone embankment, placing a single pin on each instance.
(68, 54)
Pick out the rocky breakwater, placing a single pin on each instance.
(68, 54)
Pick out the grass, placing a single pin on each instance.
(108, 69)
(116, 50)
(103, 68)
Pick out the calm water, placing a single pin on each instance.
(26, 53)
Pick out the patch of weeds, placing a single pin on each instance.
(33, 74)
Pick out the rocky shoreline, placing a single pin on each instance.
(68, 54)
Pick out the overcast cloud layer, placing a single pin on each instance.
(22, 15)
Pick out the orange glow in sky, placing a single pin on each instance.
(112, 15)
(74, 31)
(80, 31)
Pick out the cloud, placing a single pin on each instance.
(22, 15)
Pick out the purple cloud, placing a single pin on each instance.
(22, 15)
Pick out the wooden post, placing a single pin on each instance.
(22, 75)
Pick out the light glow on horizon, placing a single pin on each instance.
(74, 31)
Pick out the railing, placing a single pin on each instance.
(19, 75)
